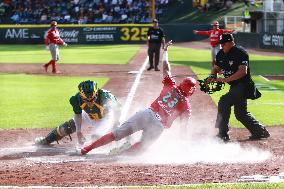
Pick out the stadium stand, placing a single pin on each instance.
(79, 11)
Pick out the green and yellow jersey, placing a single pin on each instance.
(96, 109)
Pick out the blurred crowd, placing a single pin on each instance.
(79, 11)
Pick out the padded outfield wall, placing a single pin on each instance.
(127, 34)
(96, 33)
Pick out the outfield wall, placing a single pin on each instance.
(127, 34)
(96, 33)
(76, 34)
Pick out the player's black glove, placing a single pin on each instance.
(209, 86)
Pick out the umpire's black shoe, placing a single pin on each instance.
(157, 69)
(223, 137)
(150, 68)
(263, 135)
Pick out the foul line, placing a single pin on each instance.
(264, 78)
(131, 94)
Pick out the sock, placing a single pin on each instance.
(100, 142)
(53, 64)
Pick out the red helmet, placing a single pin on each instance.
(188, 86)
(53, 23)
(215, 23)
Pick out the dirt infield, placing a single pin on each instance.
(22, 164)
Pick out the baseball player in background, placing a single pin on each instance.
(173, 102)
(214, 35)
(52, 41)
(92, 106)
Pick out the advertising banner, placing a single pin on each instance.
(272, 41)
(89, 34)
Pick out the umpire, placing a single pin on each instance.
(156, 36)
(233, 62)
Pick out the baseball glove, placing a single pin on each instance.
(210, 87)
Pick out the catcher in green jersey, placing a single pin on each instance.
(91, 106)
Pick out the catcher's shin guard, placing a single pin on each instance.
(59, 132)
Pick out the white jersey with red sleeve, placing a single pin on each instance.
(171, 103)
(214, 35)
(53, 37)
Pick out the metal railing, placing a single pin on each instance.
(236, 23)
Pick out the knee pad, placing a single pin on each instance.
(66, 128)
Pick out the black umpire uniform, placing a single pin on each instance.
(241, 88)
(156, 37)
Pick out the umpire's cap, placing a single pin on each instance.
(226, 37)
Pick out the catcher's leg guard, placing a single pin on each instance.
(59, 132)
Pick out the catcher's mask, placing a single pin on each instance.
(188, 86)
(88, 90)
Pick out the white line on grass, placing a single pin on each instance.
(131, 94)
(264, 78)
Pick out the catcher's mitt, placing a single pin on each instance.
(210, 87)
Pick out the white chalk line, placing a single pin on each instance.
(132, 92)
(264, 78)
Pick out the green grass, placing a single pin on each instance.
(73, 54)
(269, 108)
(202, 186)
(29, 101)
(227, 186)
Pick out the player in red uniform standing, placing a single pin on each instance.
(173, 102)
(52, 40)
(214, 35)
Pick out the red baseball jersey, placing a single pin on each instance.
(214, 35)
(171, 103)
(53, 37)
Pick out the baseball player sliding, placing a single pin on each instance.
(173, 102)
(52, 40)
(214, 35)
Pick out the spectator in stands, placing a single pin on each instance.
(76, 11)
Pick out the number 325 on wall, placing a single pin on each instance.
(134, 34)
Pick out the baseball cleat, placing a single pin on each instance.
(224, 137)
(40, 141)
(56, 72)
(259, 137)
(83, 151)
(150, 68)
(45, 66)
(119, 150)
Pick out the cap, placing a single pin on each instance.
(215, 23)
(226, 37)
(53, 23)
(155, 20)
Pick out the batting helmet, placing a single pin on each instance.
(88, 90)
(188, 86)
(53, 23)
(215, 23)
